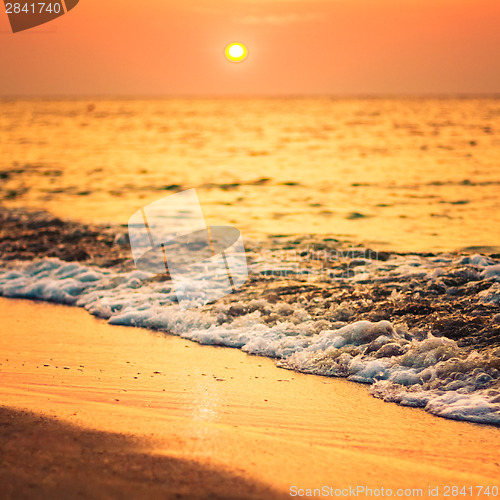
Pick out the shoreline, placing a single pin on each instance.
(423, 330)
(221, 407)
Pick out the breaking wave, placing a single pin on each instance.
(404, 365)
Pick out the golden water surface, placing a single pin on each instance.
(404, 174)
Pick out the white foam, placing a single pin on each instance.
(492, 271)
(428, 373)
(491, 295)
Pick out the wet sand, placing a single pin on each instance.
(173, 407)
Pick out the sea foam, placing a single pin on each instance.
(401, 366)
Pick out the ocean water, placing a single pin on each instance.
(394, 174)
(297, 177)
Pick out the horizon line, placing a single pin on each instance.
(360, 95)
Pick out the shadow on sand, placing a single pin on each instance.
(41, 457)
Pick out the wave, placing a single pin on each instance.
(311, 326)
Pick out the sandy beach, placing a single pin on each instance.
(250, 250)
(166, 408)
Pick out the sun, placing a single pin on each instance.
(236, 52)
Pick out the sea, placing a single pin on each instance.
(399, 174)
(413, 184)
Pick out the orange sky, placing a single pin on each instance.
(165, 47)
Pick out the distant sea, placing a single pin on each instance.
(394, 174)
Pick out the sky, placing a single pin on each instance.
(296, 47)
